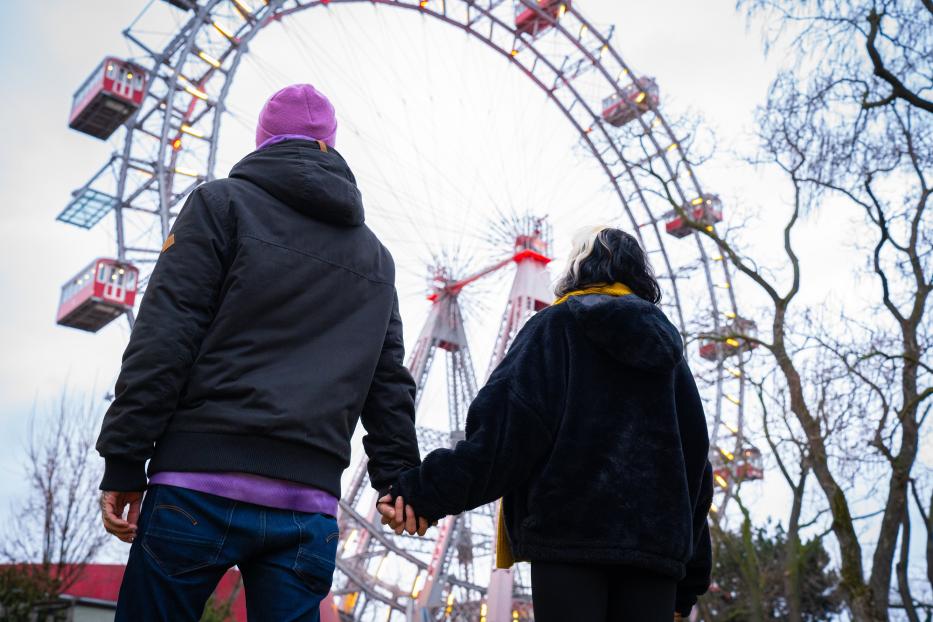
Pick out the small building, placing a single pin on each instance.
(93, 596)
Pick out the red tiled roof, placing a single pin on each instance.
(101, 582)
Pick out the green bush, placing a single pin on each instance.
(28, 593)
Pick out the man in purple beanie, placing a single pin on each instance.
(270, 326)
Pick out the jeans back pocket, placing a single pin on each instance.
(182, 536)
(315, 560)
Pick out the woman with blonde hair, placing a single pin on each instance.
(593, 433)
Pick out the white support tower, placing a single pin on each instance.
(452, 571)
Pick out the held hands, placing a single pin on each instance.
(400, 517)
(112, 505)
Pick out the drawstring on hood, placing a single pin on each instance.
(317, 184)
(632, 330)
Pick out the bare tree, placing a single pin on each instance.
(866, 113)
(790, 588)
(56, 525)
(879, 50)
(849, 124)
(787, 450)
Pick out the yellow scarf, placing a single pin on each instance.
(504, 557)
(613, 289)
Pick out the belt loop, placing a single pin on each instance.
(322, 145)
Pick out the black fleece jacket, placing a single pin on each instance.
(269, 327)
(593, 431)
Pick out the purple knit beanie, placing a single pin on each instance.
(297, 110)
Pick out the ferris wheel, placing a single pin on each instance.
(173, 96)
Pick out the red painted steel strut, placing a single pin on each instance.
(444, 329)
(530, 293)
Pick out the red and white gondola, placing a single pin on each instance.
(633, 101)
(531, 22)
(108, 98)
(705, 210)
(747, 465)
(730, 340)
(103, 291)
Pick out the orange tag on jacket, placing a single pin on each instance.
(168, 242)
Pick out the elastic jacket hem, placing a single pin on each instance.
(561, 552)
(269, 457)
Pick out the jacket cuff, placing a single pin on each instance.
(407, 487)
(684, 603)
(122, 475)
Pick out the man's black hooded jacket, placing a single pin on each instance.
(269, 327)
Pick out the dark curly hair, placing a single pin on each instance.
(603, 255)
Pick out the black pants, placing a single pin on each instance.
(598, 593)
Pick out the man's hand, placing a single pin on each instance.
(112, 506)
(401, 517)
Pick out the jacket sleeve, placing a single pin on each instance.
(507, 434)
(179, 304)
(697, 580)
(389, 412)
(695, 446)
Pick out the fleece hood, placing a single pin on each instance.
(316, 183)
(632, 330)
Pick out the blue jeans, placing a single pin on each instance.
(187, 540)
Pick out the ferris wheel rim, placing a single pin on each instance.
(423, 8)
(277, 12)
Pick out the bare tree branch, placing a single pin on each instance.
(898, 89)
(63, 475)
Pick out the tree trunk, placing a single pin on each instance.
(855, 591)
(883, 559)
(929, 527)
(895, 508)
(903, 587)
(751, 575)
(792, 553)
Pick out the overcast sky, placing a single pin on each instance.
(442, 134)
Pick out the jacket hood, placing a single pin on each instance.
(633, 331)
(316, 183)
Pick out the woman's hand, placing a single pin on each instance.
(400, 517)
